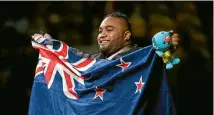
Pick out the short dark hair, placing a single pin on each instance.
(123, 16)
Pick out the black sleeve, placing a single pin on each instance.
(87, 55)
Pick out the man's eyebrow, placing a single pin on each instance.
(110, 26)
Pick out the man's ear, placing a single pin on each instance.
(127, 35)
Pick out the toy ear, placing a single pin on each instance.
(171, 33)
(153, 39)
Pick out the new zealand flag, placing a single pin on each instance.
(68, 84)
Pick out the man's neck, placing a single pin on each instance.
(126, 48)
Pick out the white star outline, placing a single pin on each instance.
(99, 95)
(137, 83)
(127, 64)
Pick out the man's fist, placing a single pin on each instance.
(175, 39)
(41, 36)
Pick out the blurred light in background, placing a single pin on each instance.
(77, 22)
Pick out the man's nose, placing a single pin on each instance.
(102, 35)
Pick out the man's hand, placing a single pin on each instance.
(175, 39)
(44, 36)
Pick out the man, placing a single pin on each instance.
(114, 41)
(114, 38)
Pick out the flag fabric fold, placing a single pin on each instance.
(68, 84)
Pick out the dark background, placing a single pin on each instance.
(77, 23)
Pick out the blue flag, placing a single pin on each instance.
(68, 84)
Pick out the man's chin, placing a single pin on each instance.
(103, 48)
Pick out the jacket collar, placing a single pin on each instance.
(122, 51)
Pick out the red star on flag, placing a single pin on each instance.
(123, 64)
(139, 85)
(99, 93)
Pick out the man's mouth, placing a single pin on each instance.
(103, 42)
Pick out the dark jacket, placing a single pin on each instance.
(101, 56)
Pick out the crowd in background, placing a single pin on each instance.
(76, 23)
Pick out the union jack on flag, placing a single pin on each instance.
(68, 84)
(53, 59)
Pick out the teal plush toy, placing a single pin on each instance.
(162, 43)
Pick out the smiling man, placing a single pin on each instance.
(114, 41)
(114, 38)
(114, 35)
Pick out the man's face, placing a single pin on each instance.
(111, 35)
